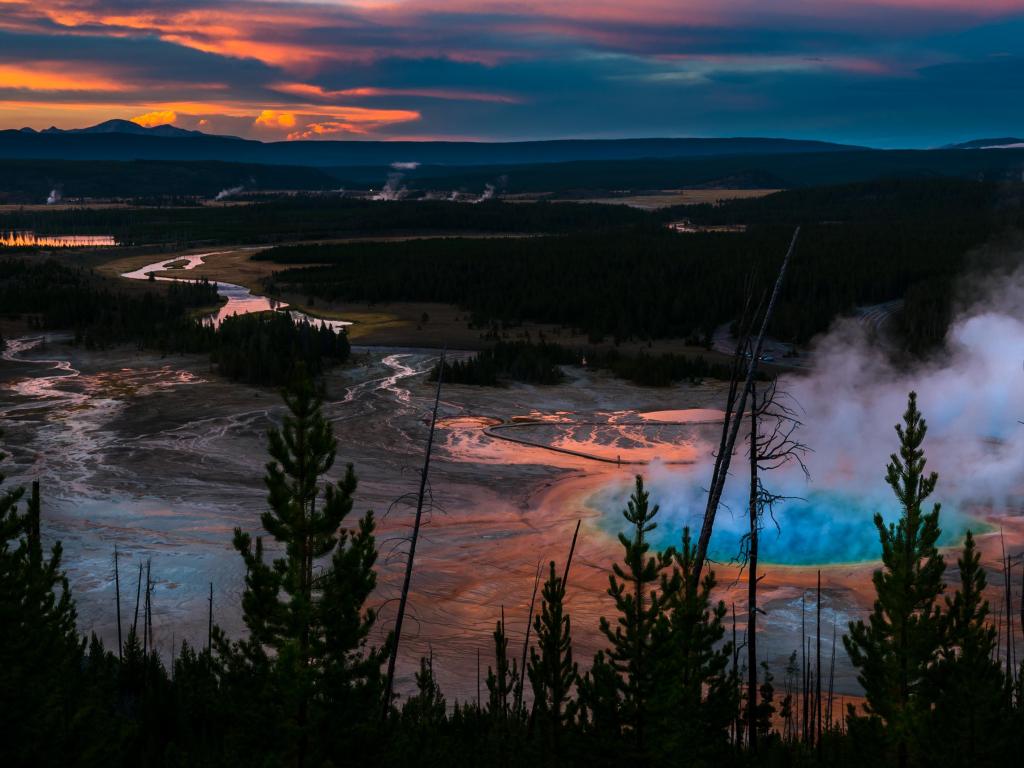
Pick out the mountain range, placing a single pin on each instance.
(125, 140)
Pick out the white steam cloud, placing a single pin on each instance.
(971, 395)
(53, 197)
(393, 189)
(405, 166)
(230, 192)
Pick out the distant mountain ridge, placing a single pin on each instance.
(166, 130)
(1007, 142)
(125, 140)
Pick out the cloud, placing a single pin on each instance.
(272, 119)
(516, 68)
(51, 76)
(161, 117)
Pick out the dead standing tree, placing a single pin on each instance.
(403, 600)
(736, 404)
(773, 423)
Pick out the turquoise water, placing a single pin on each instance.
(824, 528)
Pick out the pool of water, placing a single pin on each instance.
(239, 299)
(825, 527)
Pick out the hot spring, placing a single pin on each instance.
(825, 527)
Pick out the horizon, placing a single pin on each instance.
(385, 139)
(878, 74)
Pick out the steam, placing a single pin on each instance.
(972, 395)
(54, 196)
(487, 195)
(405, 166)
(230, 192)
(393, 189)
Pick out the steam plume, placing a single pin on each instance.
(225, 193)
(971, 394)
(392, 188)
(53, 197)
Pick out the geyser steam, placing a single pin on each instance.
(971, 394)
(226, 193)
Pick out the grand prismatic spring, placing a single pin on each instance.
(163, 459)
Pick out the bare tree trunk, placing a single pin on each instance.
(138, 596)
(389, 687)
(817, 677)
(752, 582)
(117, 599)
(209, 624)
(735, 416)
(145, 613)
(803, 665)
(831, 678)
(526, 642)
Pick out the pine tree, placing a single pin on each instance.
(696, 699)
(969, 724)
(502, 680)
(40, 650)
(641, 607)
(896, 649)
(552, 670)
(308, 628)
(425, 711)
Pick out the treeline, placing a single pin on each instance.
(649, 283)
(539, 363)
(266, 349)
(54, 295)
(306, 686)
(509, 361)
(270, 348)
(315, 216)
(30, 181)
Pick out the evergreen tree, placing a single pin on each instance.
(552, 670)
(308, 629)
(895, 650)
(696, 699)
(40, 650)
(970, 720)
(641, 606)
(427, 707)
(501, 681)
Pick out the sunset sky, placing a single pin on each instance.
(880, 72)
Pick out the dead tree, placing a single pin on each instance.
(209, 624)
(403, 600)
(117, 602)
(771, 448)
(138, 596)
(736, 404)
(817, 678)
(526, 638)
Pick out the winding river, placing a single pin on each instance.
(239, 300)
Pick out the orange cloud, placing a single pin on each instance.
(161, 117)
(448, 94)
(320, 129)
(46, 76)
(273, 119)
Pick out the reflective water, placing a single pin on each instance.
(28, 239)
(240, 300)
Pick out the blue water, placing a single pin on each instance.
(825, 528)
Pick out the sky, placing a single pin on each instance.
(886, 73)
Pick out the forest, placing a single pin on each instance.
(285, 218)
(264, 349)
(305, 686)
(860, 245)
(539, 363)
